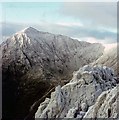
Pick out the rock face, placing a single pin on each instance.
(35, 61)
(106, 106)
(30, 48)
(91, 89)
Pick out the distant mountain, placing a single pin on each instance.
(109, 58)
(33, 62)
(32, 48)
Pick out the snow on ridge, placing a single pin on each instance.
(74, 99)
(29, 29)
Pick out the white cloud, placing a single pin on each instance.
(91, 40)
(70, 24)
(95, 40)
(98, 22)
(94, 14)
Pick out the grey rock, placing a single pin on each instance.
(84, 107)
(77, 97)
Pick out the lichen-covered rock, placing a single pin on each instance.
(80, 95)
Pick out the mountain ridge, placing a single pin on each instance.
(34, 62)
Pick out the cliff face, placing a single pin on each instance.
(33, 62)
(92, 93)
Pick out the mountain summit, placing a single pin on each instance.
(31, 47)
(30, 30)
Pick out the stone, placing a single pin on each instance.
(84, 107)
(90, 94)
(105, 106)
(71, 113)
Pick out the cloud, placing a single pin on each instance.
(94, 14)
(95, 40)
(70, 24)
(85, 21)
(88, 32)
(10, 28)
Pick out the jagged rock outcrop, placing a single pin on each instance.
(74, 99)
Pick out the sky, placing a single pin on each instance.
(88, 21)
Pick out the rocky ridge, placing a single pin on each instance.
(92, 88)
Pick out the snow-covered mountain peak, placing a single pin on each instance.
(29, 29)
